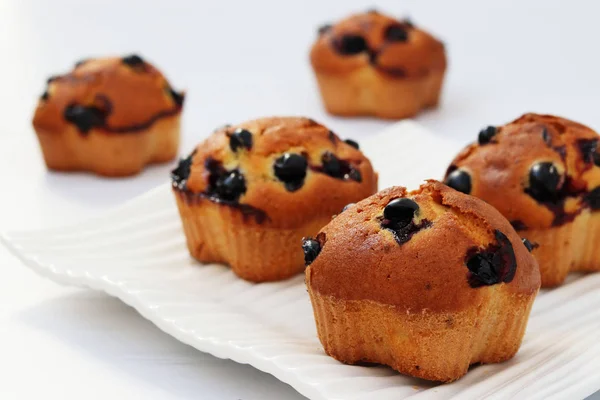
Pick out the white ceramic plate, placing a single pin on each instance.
(137, 253)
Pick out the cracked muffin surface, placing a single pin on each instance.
(283, 177)
(427, 282)
(542, 173)
(108, 115)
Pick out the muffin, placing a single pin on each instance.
(249, 193)
(110, 116)
(427, 282)
(374, 65)
(542, 173)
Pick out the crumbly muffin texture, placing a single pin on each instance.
(422, 250)
(427, 282)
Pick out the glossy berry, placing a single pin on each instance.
(459, 180)
(355, 175)
(351, 44)
(544, 181)
(497, 263)
(177, 97)
(588, 149)
(85, 118)
(231, 186)
(396, 33)
(291, 169)
(332, 165)
(180, 174)
(352, 143)
(133, 60)
(593, 199)
(311, 249)
(482, 266)
(240, 139)
(530, 246)
(400, 211)
(486, 134)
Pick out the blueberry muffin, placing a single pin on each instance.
(543, 174)
(110, 116)
(372, 64)
(249, 193)
(427, 282)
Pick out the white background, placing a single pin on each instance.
(237, 60)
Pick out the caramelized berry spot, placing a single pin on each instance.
(240, 139)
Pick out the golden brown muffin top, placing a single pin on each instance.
(396, 48)
(433, 249)
(114, 95)
(539, 171)
(282, 171)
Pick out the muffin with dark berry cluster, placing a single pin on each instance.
(372, 64)
(427, 282)
(543, 174)
(111, 116)
(250, 193)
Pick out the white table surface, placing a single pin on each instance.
(238, 60)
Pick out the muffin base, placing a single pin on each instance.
(432, 346)
(567, 248)
(369, 92)
(110, 154)
(255, 251)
